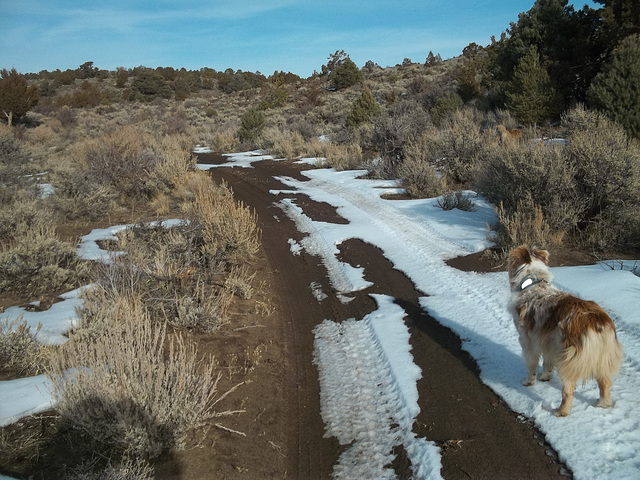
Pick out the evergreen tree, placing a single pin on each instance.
(363, 110)
(16, 98)
(620, 18)
(531, 96)
(345, 75)
(616, 90)
(252, 124)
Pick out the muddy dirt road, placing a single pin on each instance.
(479, 436)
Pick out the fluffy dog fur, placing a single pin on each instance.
(573, 335)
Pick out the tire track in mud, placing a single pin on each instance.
(479, 435)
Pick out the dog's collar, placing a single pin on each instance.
(529, 281)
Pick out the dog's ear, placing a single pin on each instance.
(542, 255)
(520, 255)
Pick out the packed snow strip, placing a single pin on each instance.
(52, 323)
(90, 250)
(417, 237)
(320, 242)
(366, 367)
(242, 159)
(22, 397)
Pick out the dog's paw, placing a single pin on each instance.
(545, 377)
(562, 412)
(527, 382)
(604, 403)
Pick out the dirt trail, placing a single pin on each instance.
(479, 435)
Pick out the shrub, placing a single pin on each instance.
(148, 85)
(37, 262)
(538, 175)
(345, 74)
(125, 160)
(607, 172)
(78, 195)
(445, 107)
(133, 389)
(230, 230)
(456, 146)
(363, 109)
(403, 123)
(18, 348)
(419, 176)
(252, 125)
(458, 199)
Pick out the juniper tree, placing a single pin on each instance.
(531, 96)
(363, 109)
(16, 97)
(616, 90)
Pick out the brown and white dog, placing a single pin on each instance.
(573, 335)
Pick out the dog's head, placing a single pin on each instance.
(528, 266)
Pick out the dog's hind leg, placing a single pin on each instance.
(547, 369)
(567, 399)
(604, 384)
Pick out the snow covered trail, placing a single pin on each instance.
(417, 238)
(367, 362)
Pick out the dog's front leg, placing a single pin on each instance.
(531, 359)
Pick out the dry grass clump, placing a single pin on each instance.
(134, 389)
(284, 144)
(168, 269)
(37, 262)
(19, 350)
(525, 225)
(343, 156)
(230, 230)
(418, 172)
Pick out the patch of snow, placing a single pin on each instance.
(366, 367)
(417, 237)
(23, 397)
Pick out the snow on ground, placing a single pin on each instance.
(28, 396)
(360, 360)
(418, 237)
(242, 159)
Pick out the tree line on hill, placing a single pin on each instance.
(554, 56)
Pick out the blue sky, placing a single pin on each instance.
(250, 35)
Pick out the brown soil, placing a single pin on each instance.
(479, 435)
(269, 346)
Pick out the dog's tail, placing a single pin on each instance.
(591, 347)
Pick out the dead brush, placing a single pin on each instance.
(134, 388)
(167, 268)
(239, 281)
(38, 262)
(230, 230)
(20, 353)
